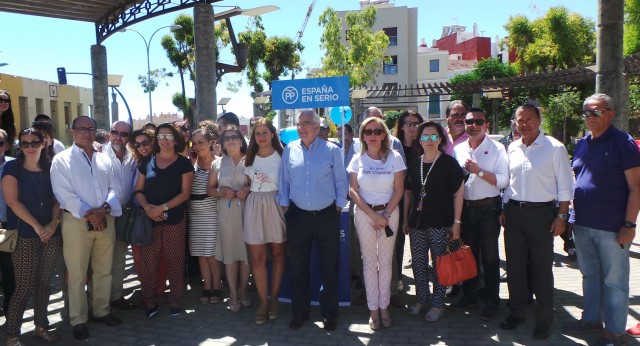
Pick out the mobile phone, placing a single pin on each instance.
(388, 231)
(89, 226)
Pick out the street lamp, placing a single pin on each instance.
(147, 44)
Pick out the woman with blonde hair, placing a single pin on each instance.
(376, 187)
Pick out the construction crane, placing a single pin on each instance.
(306, 20)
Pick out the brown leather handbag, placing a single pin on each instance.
(456, 266)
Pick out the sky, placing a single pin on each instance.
(34, 47)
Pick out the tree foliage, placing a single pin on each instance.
(362, 57)
(561, 118)
(631, 27)
(558, 40)
(155, 78)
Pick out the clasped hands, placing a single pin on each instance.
(97, 218)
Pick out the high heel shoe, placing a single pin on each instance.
(43, 333)
(416, 309)
(374, 323)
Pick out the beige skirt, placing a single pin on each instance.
(263, 219)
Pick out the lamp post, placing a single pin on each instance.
(147, 45)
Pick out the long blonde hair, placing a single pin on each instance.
(385, 145)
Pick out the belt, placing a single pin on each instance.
(315, 212)
(378, 207)
(482, 202)
(523, 204)
(198, 197)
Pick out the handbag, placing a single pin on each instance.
(8, 240)
(456, 266)
(141, 231)
(123, 229)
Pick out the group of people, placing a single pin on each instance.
(236, 203)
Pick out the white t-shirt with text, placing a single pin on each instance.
(375, 177)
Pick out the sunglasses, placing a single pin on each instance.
(478, 122)
(594, 113)
(167, 136)
(84, 130)
(369, 132)
(34, 144)
(230, 138)
(425, 138)
(411, 124)
(121, 134)
(7, 101)
(141, 144)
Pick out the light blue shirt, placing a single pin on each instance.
(3, 204)
(312, 178)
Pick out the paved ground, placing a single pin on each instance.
(214, 325)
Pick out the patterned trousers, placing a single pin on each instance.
(33, 262)
(432, 240)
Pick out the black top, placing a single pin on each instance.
(36, 194)
(161, 185)
(437, 206)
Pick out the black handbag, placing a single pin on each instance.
(133, 226)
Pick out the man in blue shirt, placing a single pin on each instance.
(606, 164)
(313, 191)
(6, 265)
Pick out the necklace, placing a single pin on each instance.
(423, 194)
(35, 182)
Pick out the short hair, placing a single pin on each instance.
(478, 110)
(529, 106)
(439, 129)
(150, 126)
(348, 127)
(73, 123)
(229, 118)
(42, 117)
(453, 104)
(601, 97)
(177, 137)
(316, 117)
(243, 141)
(367, 112)
(102, 136)
(122, 122)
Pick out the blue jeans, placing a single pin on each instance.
(605, 277)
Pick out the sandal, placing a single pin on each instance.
(43, 333)
(416, 309)
(245, 302)
(234, 308)
(216, 296)
(261, 316)
(273, 310)
(374, 323)
(434, 314)
(205, 297)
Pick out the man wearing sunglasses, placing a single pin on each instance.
(456, 112)
(485, 162)
(606, 164)
(124, 164)
(85, 182)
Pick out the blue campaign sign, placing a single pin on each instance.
(310, 93)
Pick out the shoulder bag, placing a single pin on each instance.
(456, 266)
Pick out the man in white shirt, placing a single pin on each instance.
(86, 185)
(486, 163)
(125, 165)
(540, 177)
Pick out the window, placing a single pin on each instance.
(434, 104)
(434, 65)
(390, 65)
(392, 34)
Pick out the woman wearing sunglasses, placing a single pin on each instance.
(376, 187)
(228, 182)
(32, 209)
(264, 226)
(164, 184)
(434, 219)
(141, 144)
(6, 118)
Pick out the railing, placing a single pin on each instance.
(390, 69)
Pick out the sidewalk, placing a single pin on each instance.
(214, 325)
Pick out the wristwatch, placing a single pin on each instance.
(481, 174)
(562, 216)
(629, 224)
(107, 207)
(165, 206)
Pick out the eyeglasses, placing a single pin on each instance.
(7, 101)
(411, 124)
(478, 122)
(121, 134)
(84, 130)
(34, 144)
(593, 113)
(457, 115)
(369, 132)
(230, 138)
(304, 124)
(167, 136)
(141, 144)
(425, 138)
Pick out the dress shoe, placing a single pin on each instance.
(395, 301)
(329, 324)
(463, 304)
(609, 339)
(108, 319)
(123, 304)
(296, 323)
(44, 334)
(511, 322)
(489, 313)
(542, 330)
(80, 332)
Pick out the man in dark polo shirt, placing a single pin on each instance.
(606, 164)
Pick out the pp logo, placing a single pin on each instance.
(289, 95)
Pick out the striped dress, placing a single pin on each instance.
(203, 217)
